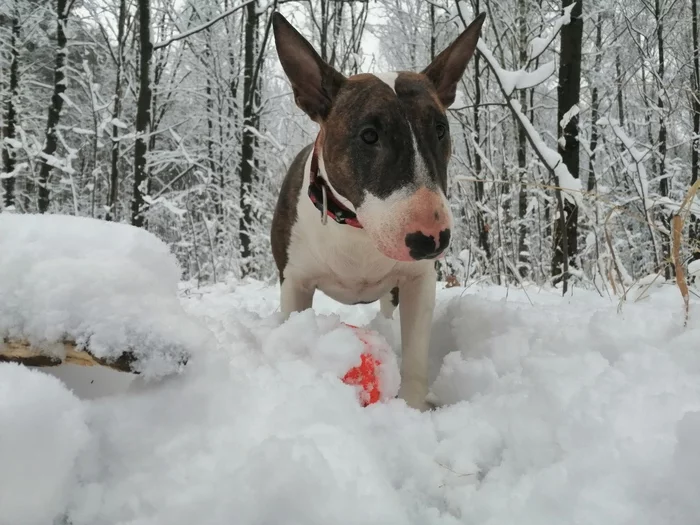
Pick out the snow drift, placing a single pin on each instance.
(554, 411)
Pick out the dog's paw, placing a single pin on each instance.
(414, 394)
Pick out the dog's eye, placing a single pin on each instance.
(369, 136)
(441, 130)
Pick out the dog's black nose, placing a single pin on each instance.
(421, 246)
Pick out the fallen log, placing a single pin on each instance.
(22, 352)
(110, 297)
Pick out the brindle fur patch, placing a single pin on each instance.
(395, 296)
(286, 210)
(366, 102)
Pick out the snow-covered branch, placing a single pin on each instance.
(540, 44)
(200, 27)
(509, 81)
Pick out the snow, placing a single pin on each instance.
(570, 186)
(539, 45)
(81, 131)
(16, 144)
(641, 182)
(694, 268)
(108, 287)
(69, 102)
(43, 431)
(534, 78)
(571, 113)
(553, 410)
(675, 206)
(118, 123)
(511, 80)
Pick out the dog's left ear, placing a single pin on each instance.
(447, 68)
(314, 83)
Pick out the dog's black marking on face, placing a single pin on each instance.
(429, 122)
(372, 132)
(395, 296)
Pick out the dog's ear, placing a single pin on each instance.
(446, 70)
(315, 83)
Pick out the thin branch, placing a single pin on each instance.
(200, 28)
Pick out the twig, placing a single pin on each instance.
(677, 226)
(199, 28)
(608, 240)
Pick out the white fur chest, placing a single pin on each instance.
(340, 260)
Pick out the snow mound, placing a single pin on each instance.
(561, 411)
(42, 431)
(109, 287)
(264, 431)
(554, 410)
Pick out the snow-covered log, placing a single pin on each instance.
(83, 291)
(23, 353)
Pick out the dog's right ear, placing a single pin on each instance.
(315, 83)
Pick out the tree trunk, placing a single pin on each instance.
(482, 225)
(565, 232)
(59, 87)
(481, 220)
(116, 113)
(432, 31)
(620, 97)
(8, 156)
(247, 150)
(595, 103)
(143, 116)
(663, 180)
(523, 258)
(323, 29)
(337, 27)
(694, 230)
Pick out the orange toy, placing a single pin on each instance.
(365, 374)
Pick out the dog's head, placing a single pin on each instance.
(384, 139)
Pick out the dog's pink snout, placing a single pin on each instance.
(414, 228)
(427, 235)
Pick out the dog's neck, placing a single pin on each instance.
(322, 195)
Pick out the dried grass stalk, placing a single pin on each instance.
(677, 230)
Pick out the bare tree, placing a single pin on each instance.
(119, 58)
(247, 150)
(143, 115)
(568, 92)
(695, 145)
(595, 101)
(482, 224)
(8, 155)
(523, 258)
(59, 87)
(661, 112)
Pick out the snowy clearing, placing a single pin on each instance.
(560, 411)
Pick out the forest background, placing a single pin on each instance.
(575, 131)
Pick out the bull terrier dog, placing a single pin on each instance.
(362, 213)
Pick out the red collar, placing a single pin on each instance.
(321, 194)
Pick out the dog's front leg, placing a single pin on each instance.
(295, 297)
(416, 309)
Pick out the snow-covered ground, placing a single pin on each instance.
(555, 410)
